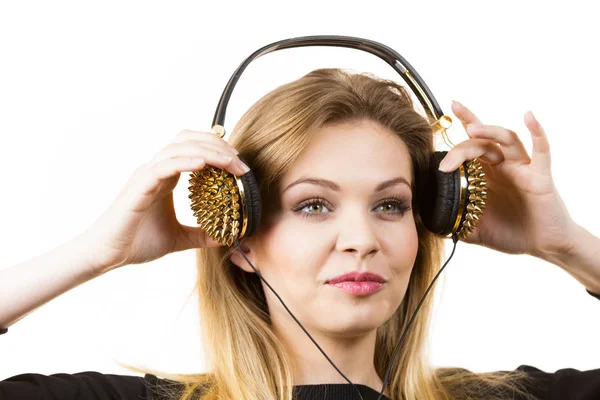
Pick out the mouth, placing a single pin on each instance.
(357, 283)
(358, 288)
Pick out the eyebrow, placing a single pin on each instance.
(333, 186)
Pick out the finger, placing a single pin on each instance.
(465, 115)
(146, 180)
(512, 147)
(485, 150)
(189, 148)
(540, 157)
(194, 237)
(215, 156)
(185, 135)
(172, 166)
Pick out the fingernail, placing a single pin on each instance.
(243, 166)
(444, 165)
(456, 102)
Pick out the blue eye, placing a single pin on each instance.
(394, 206)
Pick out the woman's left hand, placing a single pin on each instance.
(524, 213)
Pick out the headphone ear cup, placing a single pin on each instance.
(216, 196)
(441, 197)
(252, 206)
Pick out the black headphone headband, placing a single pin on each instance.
(452, 204)
(390, 56)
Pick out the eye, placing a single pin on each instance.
(314, 207)
(315, 204)
(395, 202)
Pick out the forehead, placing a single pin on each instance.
(353, 152)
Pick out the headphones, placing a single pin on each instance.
(228, 207)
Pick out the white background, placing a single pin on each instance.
(89, 92)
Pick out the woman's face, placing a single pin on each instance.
(345, 208)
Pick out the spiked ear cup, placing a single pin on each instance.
(453, 202)
(476, 193)
(225, 206)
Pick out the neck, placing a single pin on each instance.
(354, 356)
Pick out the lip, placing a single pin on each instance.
(358, 288)
(358, 283)
(357, 277)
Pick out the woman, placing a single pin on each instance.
(348, 134)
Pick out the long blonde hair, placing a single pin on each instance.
(247, 360)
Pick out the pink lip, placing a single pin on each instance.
(357, 277)
(358, 283)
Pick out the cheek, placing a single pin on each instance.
(290, 262)
(291, 252)
(403, 252)
(412, 246)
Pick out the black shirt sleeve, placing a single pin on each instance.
(79, 386)
(593, 294)
(564, 384)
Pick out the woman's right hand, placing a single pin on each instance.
(140, 225)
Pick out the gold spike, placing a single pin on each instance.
(477, 193)
(471, 207)
(473, 197)
(216, 198)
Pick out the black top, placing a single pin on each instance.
(563, 384)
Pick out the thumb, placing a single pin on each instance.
(195, 237)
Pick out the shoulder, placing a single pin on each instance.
(94, 385)
(525, 382)
(81, 385)
(158, 388)
(167, 389)
(565, 383)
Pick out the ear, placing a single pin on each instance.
(237, 258)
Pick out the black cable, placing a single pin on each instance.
(396, 350)
(237, 244)
(387, 374)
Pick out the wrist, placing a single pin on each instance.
(569, 251)
(580, 258)
(86, 248)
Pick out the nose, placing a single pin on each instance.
(357, 235)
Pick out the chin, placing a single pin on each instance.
(353, 321)
(351, 329)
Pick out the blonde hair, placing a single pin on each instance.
(247, 360)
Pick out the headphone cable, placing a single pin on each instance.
(387, 374)
(391, 363)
